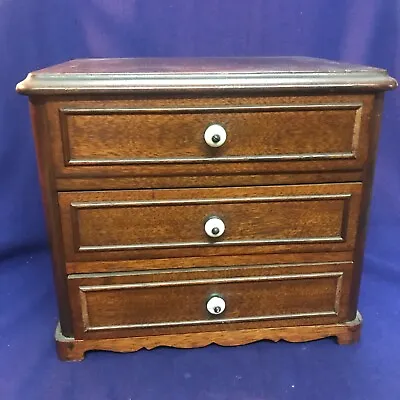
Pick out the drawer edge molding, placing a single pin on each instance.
(187, 282)
(208, 322)
(237, 268)
(69, 111)
(96, 287)
(335, 239)
(82, 211)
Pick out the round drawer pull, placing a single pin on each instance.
(214, 227)
(216, 305)
(215, 135)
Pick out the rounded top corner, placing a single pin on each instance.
(392, 83)
(25, 85)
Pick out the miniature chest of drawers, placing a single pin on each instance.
(198, 201)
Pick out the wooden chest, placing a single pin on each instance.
(197, 201)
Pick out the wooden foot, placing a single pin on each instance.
(70, 349)
(352, 334)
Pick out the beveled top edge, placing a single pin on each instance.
(202, 74)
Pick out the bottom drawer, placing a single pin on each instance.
(143, 303)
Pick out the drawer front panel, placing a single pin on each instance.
(140, 138)
(139, 304)
(120, 224)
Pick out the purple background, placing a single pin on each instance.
(34, 34)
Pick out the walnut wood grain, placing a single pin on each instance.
(137, 303)
(70, 349)
(167, 135)
(164, 137)
(115, 224)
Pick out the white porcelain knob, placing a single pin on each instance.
(214, 227)
(215, 135)
(216, 305)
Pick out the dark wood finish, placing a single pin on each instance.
(128, 183)
(169, 75)
(373, 130)
(135, 304)
(49, 197)
(104, 225)
(70, 349)
(164, 137)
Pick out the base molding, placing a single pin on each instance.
(70, 349)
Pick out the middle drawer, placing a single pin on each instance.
(184, 222)
(117, 225)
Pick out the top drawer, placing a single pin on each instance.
(141, 137)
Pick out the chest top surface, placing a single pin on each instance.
(124, 75)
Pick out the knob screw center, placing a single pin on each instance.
(216, 138)
(215, 231)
